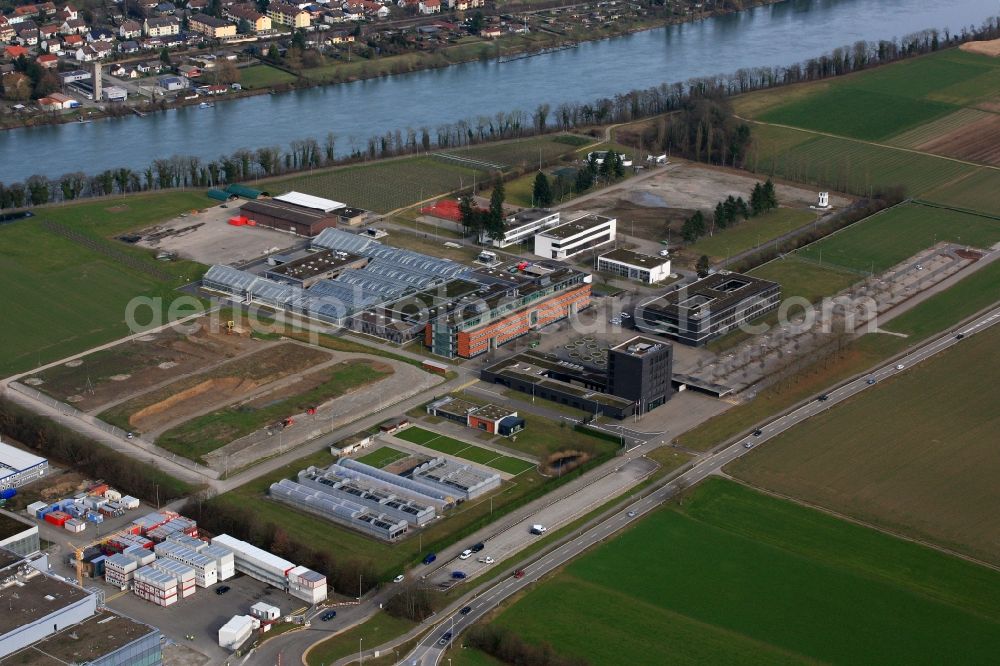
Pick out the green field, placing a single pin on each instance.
(888, 238)
(264, 76)
(386, 185)
(460, 449)
(752, 233)
(733, 576)
(805, 279)
(382, 456)
(62, 297)
(977, 191)
(877, 104)
(932, 130)
(930, 471)
(847, 165)
(201, 435)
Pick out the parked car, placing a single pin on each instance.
(222, 590)
(458, 575)
(399, 579)
(519, 573)
(429, 558)
(478, 547)
(329, 615)
(466, 610)
(625, 315)
(466, 554)
(615, 322)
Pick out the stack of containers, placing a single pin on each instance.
(179, 525)
(119, 570)
(205, 568)
(224, 560)
(154, 585)
(142, 556)
(152, 520)
(182, 573)
(191, 542)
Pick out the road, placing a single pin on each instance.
(428, 652)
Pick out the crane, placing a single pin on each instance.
(78, 550)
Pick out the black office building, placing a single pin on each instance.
(640, 370)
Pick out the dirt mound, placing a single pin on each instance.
(76, 363)
(180, 406)
(990, 47)
(34, 381)
(561, 462)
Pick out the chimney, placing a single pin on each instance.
(98, 93)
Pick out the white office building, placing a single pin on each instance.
(18, 467)
(522, 225)
(579, 235)
(634, 266)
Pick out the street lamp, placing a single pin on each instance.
(361, 657)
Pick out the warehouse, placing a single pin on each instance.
(708, 308)
(300, 214)
(18, 467)
(634, 266)
(36, 605)
(338, 509)
(442, 498)
(576, 236)
(18, 536)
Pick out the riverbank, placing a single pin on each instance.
(505, 49)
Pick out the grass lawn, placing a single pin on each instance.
(977, 191)
(524, 153)
(930, 471)
(460, 449)
(701, 583)
(933, 315)
(752, 233)
(806, 279)
(888, 238)
(379, 629)
(382, 456)
(204, 434)
(66, 296)
(264, 76)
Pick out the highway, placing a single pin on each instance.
(428, 652)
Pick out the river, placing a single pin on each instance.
(779, 34)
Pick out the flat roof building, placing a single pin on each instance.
(18, 467)
(17, 535)
(634, 265)
(708, 308)
(522, 225)
(315, 266)
(463, 480)
(578, 235)
(380, 498)
(285, 215)
(494, 419)
(640, 370)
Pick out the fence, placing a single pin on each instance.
(114, 431)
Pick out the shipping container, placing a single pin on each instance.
(7, 493)
(57, 518)
(74, 525)
(112, 494)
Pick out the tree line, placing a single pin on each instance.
(702, 128)
(67, 447)
(731, 211)
(510, 648)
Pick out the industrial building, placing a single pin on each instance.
(521, 226)
(634, 265)
(627, 379)
(400, 295)
(237, 631)
(369, 492)
(494, 419)
(315, 266)
(294, 212)
(708, 308)
(578, 235)
(273, 570)
(18, 467)
(18, 536)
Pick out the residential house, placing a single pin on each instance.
(53, 46)
(491, 32)
(71, 42)
(27, 36)
(15, 52)
(166, 8)
(6, 29)
(47, 61)
(73, 26)
(429, 6)
(189, 71)
(128, 46)
(334, 16)
(341, 37)
(172, 83)
(100, 35)
(48, 31)
(200, 5)
(162, 26)
(290, 15)
(67, 12)
(258, 22)
(211, 26)
(93, 52)
(130, 30)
